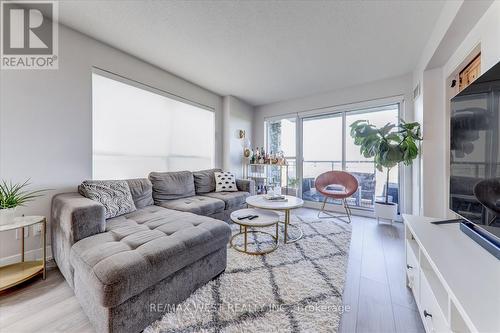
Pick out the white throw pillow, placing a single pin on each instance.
(225, 182)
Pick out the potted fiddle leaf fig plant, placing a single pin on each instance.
(388, 146)
(13, 196)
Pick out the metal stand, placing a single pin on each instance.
(287, 225)
(346, 208)
(244, 231)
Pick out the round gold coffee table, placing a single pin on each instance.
(260, 201)
(264, 219)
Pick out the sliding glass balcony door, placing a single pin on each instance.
(322, 151)
(327, 145)
(320, 143)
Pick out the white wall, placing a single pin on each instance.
(239, 115)
(397, 86)
(45, 119)
(432, 107)
(433, 145)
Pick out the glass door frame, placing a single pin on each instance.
(295, 118)
(404, 174)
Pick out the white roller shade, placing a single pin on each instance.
(136, 131)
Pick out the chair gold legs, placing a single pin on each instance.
(346, 208)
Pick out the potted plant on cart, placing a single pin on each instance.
(13, 196)
(388, 146)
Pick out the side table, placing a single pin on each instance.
(264, 219)
(260, 201)
(14, 274)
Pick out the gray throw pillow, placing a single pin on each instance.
(225, 182)
(114, 195)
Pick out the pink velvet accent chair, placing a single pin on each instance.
(338, 185)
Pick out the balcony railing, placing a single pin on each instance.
(371, 182)
(363, 170)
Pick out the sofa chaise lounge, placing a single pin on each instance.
(124, 269)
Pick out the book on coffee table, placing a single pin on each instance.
(276, 198)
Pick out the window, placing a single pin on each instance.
(137, 130)
(326, 145)
(371, 181)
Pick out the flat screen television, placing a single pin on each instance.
(475, 153)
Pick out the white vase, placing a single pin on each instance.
(387, 211)
(7, 215)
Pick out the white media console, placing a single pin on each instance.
(455, 282)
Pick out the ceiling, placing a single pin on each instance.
(264, 51)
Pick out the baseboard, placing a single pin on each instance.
(35, 254)
(340, 210)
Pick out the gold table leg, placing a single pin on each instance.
(277, 232)
(244, 248)
(22, 244)
(44, 249)
(287, 224)
(246, 236)
(287, 220)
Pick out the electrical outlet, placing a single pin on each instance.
(26, 233)
(37, 229)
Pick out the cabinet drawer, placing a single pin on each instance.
(412, 271)
(432, 316)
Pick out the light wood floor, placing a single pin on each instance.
(375, 290)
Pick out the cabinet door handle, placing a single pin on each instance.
(427, 314)
(409, 267)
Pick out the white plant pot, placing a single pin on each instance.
(386, 211)
(7, 215)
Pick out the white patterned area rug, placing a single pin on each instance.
(297, 288)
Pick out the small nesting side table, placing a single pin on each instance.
(14, 274)
(264, 219)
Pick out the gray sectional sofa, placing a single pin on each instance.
(194, 192)
(125, 268)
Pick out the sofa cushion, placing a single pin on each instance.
(114, 195)
(171, 185)
(141, 248)
(204, 180)
(200, 205)
(142, 192)
(225, 182)
(231, 199)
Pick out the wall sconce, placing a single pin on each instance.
(247, 152)
(245, 142)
